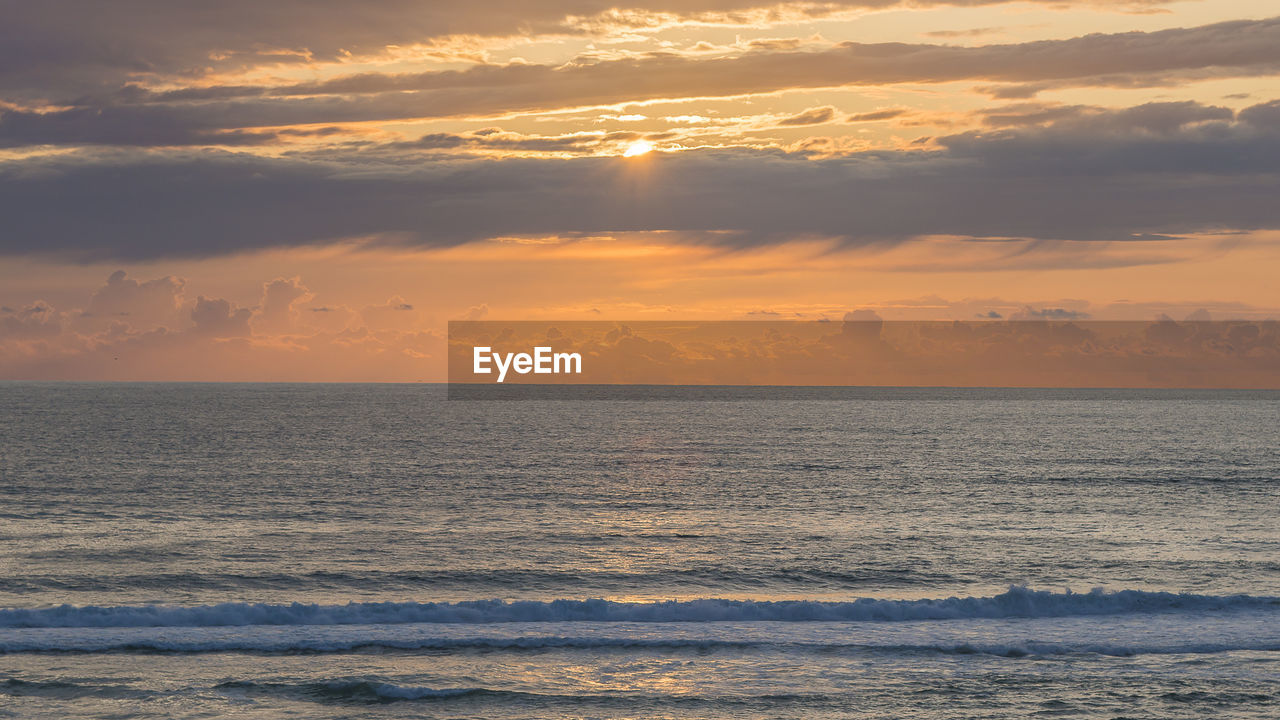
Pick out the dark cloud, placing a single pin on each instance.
(1130, 80)
(1157, 170)
(1264, 116)
(496, 139)
(116, 126)
(1157, 138)
(1154, 118)
(211, 114)
(73, 46)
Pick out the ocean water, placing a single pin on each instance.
(377, 551)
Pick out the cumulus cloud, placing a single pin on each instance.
(476, 312)
(221, 341)
(219, 318)
(215, 340)
(140, 304)
(31, 321)
(278, 312)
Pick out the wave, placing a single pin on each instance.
(1017, 602)
(376, 690)
(500, 581)
(357, 690)
(296, 645)
(62, 690)
(293, 645)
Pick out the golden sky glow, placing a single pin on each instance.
(315, 192)
(639, 147)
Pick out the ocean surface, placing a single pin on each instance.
(378, 551)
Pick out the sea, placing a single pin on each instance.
(382, 551)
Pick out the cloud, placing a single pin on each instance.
(220, 341)
(115, 126)
(32, 321)
(216, 340)
(278, 312)
(1028, 313)
(1158, 118)
(140, 304)
(77, 46)
(395, 313)
(1164, 169)
(1135, 80)
(497, 139)
(812, 116)
(228, 114)
(1263, 116)
(877, 115)
(967, 33)
(219, 318)
(476, 312)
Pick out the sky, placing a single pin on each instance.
(312, 190)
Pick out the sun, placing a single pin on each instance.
(639, 147)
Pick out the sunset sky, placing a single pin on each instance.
(309, 191)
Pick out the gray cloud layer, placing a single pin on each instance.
(1160, 169)
(59, 46)
(226, 115)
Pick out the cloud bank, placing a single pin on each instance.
(1158, 170)
(235, 115)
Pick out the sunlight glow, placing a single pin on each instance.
(639, 147)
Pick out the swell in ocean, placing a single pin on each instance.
(1016, 623)
(1017, 602)
(370, 691)
(1014, 649)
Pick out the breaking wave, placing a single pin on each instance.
(1017, 602)
(292, 645)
